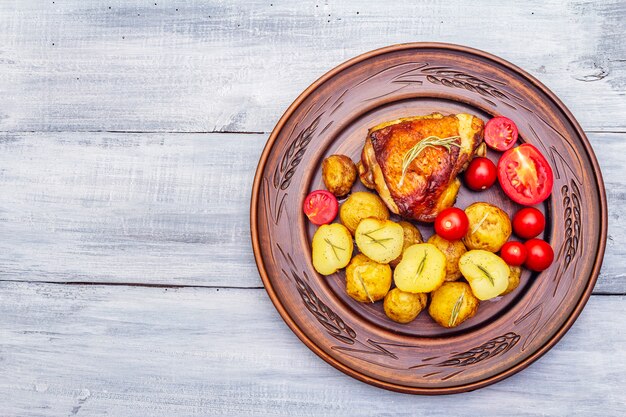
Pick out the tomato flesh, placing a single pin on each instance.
(451, 223)
(321, 207)
(500, 133)
(525, 175)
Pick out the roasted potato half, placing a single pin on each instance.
(514, 278)
(489, 227)
(452, 304)
(379, 240)
(422, 269)
(404, 307)
(359, 206)
(453, 251)
(331, 248)
(339, 174)
(486, 272)
(367, 281)
(412, 235)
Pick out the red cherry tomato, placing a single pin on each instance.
(321, 207)
(513, 253)
(540, 254)
(451, 223)
(528, 223)
(525, 175)
(480, 174)
(500, 133)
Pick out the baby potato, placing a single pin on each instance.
(359, 206)
(452, 304)
(379, 240)
(486, 272)
(412, 235)
(367, 281)
(339, 174)
(514, 277)
(489, 227)
(453, 251)
(332, 248)
(422, 269)
(404, 307)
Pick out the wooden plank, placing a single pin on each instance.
(167, 209)
(220, 66)
(131, 351)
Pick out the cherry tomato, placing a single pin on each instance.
(321, 207)
(540, 254)
(525, 175)
(513, 253)
(528, 223)
(480, 174)
(451, 223)
(500, 133)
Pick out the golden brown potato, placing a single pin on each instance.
(379, 240)
(332, 248)
(422, 269)
(486, 272)
(453, 251)
(367, 281)
(452, 304)
(412, 235)
(339, 174)
(514, 277)
(489, 227)
(404, 307)
(359, 206)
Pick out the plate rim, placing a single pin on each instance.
(551, 342)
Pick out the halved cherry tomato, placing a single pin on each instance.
(525, 175)
(451, 223)
(500, 133)
(528, 223)
(513, 253)
(480, 174)
(321, 207)
(540, 254)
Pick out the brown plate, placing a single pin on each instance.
(333, 116)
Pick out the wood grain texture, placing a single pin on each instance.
(225, 66)
(169, 209)
(96, 350)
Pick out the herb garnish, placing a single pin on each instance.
(429, 142)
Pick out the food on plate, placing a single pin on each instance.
(331, 248)
(412, 235)
(451, 223)
(481, 151)
(489, 227)
(486, 272)
(320, 207)
(413, 162)
(359, 206)
(540, 255)
(525, 175)
(452, 249)
(339, 174)
(513, 253)
(528, 223)
(422, 269)
(367, 281)
(379, 240)
(514, 278)
(480, 174)
(452, 304)
(500, 133)
(404, 307)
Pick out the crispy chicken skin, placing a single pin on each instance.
(430, 184)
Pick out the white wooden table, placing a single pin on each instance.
(129, 136)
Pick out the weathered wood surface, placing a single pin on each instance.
(235, 66)
(128, 351)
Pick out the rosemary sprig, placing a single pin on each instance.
(429, 142)
(480, 223)
(378, 241)
(334, 247)
(456, 310)
(420, 267)
(358, 274)
(487, 274)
